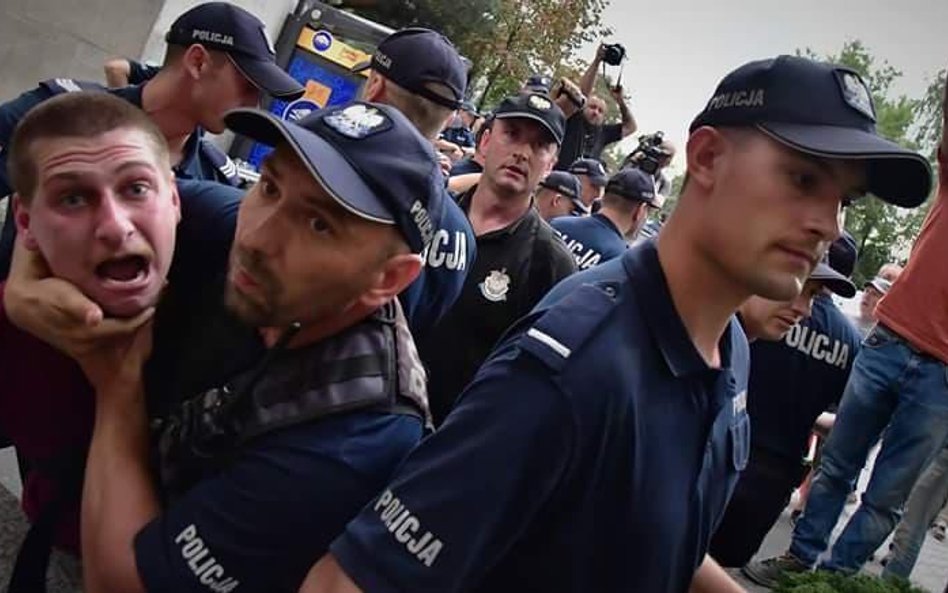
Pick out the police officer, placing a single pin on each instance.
(262, 471)
(597, 447)
(419, 72)
(518, 257)
(799, 369)
(630, 195)
(592, 175)
(559, 195)
(218, 58)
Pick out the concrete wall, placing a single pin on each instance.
(41, 39)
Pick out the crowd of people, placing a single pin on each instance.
(432, 349)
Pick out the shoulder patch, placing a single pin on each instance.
(57, 86)
(562, 329)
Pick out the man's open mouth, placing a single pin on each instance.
(128, 269)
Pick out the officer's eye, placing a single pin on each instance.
(268, 188)
(805, 181)
(318, 224)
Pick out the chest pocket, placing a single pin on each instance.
(739, 437)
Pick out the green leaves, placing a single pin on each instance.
(823, 581)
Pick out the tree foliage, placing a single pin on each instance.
(884, 232)
(506, 40)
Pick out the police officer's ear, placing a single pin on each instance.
(374, 89)
(393, 277)
(21, 216)
(704, 152)
(196, 61)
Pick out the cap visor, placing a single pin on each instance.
(540, 120)
(330, 169)
(833, 280)
(362, 66)
(269, 77)
(895, 174)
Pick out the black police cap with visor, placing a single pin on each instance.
(348, 150)
(820, 109)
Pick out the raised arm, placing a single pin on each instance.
(629, 126)
(588, 81)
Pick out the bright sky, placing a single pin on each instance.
(679, 50)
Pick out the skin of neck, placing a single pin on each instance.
(703, 295)
(622, 221)
(161, 100)
(319, 330)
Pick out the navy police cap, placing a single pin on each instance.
(348, 150)
(242, 36)
(565, 183)
(591, 168)
(536, 106)
(820, 109)
(415, 57)
(634, 184)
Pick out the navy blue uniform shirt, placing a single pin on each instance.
(260, 525)
(796, 379)
(198, 160)
(594, 451)
(591, 239)
(447, 262)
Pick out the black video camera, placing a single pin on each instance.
(649, 154)
(613, 53)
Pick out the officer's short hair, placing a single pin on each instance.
(620, 203)
(428, 116)
(74, 115)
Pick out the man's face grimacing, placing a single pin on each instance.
(298, 255)
(103, 215)
(595, 110)
(771, 212)
(518, 153)
(771, 320)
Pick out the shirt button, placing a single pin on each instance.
(609, 290)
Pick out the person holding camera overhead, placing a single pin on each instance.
(587, 134)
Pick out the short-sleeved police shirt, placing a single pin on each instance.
(448, 259)
(584, 140)
(514, 268)
(591, 239)
(594, 451)
(796, 379)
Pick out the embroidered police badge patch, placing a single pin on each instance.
(855, 93)
(358, 121)
(495, 286)
(539, 103)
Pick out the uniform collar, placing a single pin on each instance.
(464, 201)
(651, 287)
(606, 221)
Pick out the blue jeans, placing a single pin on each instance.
(927, 498)
(892, 388)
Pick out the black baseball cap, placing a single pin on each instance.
(634, 184)
(538, 83)
(592, 168)
(242, 36)
(842, 254)
(535, 106)
(348, 150)
(833, 280)
(823, 110)
(565, 183)
(414, 57)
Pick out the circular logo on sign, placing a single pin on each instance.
(297, 110)
(322, 40)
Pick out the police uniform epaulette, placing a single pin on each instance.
(221, 161)
(57, 86)
(563, 328)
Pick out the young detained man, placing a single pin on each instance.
(291, 446)
(596, 448)
(95, 196)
